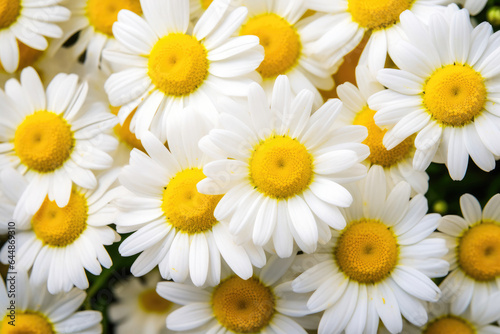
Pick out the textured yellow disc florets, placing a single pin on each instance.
(27, 322)
(280, 40)
(43, 141)
(454, 95)
(366, 251)
(184, 207)
(379, 155)
(281, 167)
(205, 3)
(151, 302)
(103, 13)
(479, 251)
(178, 64)
(123, 131)
(9, 11)
(449, 324)
(243, 306)
(377, 14)
(59, 227)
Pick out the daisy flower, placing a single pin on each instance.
(290, 45)
(447, 94)
(37, 311)
(169, 68)
(350, 20)
(255, 305)
(174, 223)
(397, 162)
(474, 256)
(380, 265)
(27, 22)
(284, 169)
(53, 137)
(58, 244)
(473, 6)
(139, 308)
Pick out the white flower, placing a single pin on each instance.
(37, 311)
(54, 137)
(58, 244)
(281, 169)
(474, 256)
(175, 225)
(473, 6)
(446, 92)
(380, 265)
(169, 68)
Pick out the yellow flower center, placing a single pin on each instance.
(151, 302)
(205, 3)
(281, 167)
(27, 56)
(103, 13)
(9, 11)
(479, 251)
(123, 131)
(449, 324)
(59, 227)
(43, 141)
(280, 40)
(243, 306)
(27, 322)
(378, 153)
(178, 64)
(367, 251)
(184, 207)
(454, 95)
(377, 14)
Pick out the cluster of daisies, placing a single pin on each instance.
(199, 136)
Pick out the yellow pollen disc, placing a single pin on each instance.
(449, 324)
(59, 227)
(27, 56)
(184, 207)
(151, 302)
(280, 40)
(379, 155)
(27, 322)
(9, 11)
(479, 251)
(454, 95)
(206, 3)
(103, 13)
(43, 141)
(178, 64)
(281, 167)
(243, 306)
(377, 14)
(366, 251)
(123, 131)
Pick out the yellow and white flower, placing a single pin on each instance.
(59, 243)
(37, 311)
(281, 168)
(446, 91)
(380, 266)
(174, 224)
(474, 256)
(28, 22)
(169, 67)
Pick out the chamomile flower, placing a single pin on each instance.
(284, 169)
(474, 256)
(28, 23)
(169, 68)
(139, 308)
(54, 137)
(290, 45)
(397, 162)
(59, 243)
(174, 224)
(447, 94)
(37, 311)
(350, 20)
(380, 265)
(258, 304)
